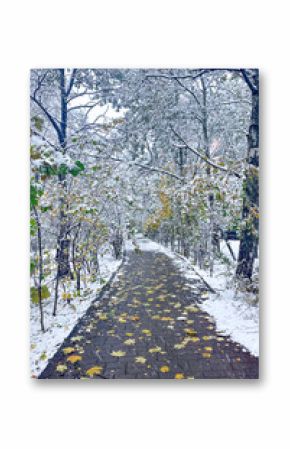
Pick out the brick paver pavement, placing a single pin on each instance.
(149, 326)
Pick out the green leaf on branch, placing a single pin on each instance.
(33, 226)
(34, 293)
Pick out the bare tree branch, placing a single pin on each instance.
(204, 158)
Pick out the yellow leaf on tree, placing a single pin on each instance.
(74, 358)
(94, 370)
(164, 369)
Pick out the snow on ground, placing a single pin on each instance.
(234, 311)
(43, 345)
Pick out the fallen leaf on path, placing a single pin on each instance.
(118, 353)
(156, 349)
(192, 309)
(140, 359)
(68, 350)
(74, 358)
(61, 368)
(130, 341)
(208, 348)
(208, 337)
(190, 332)
(146, 332)
(94, 370)
(77, 338)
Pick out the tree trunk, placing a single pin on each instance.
(78, 282)
(40, 269)
(250, 212)
(63, 241)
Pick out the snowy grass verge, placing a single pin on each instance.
(43, 345)
(235, 312)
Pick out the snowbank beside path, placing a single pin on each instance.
(43, 345)
(234, 311)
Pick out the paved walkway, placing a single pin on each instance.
(149, 326)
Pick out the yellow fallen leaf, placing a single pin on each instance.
(190, 332)
(74, 358)
(61, 368)
(177, 305)
(68, 350)
(118, 353)
(192, 309)
(206, 355)
(156, 349)
(179, 346)
(179, 376)
(146, 332)
(129, 334)
(166, 318)
(194, 339)
(208, 348)
(165, 369)
(140, 359)
(94, 370)
(208, 337)
(77, 338)
(129, 341)
(122, 320)
(103, 316)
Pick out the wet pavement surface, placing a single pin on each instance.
(149, 325)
